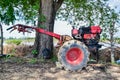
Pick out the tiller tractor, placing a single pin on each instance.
(73, 51)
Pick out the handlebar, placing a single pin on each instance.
(9, 28)
(20, 28)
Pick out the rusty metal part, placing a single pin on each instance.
(63, 39)
(66, 38)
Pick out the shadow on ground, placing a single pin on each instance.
(46, 70)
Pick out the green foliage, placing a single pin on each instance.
(91, 12)
(12, 58)
(11, 10)
(103, 40)
(13, 41)
(42, 18)
(34, 52)
(8, 56)
(42, 26)
(18, 59)
(117, 40)
(54, 58)
(33, 60)
(7, 11)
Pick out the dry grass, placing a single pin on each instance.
(9, 48)
(105, 54)
(23, 50)
(17, 50)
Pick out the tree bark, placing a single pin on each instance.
(1, 39)
(47, 8)
(112, 42)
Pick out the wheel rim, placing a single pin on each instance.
(74, 56)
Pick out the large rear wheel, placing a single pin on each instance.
(73, 55)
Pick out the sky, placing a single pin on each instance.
(114, 3)
(60, 27)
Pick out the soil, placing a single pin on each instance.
(26, 69)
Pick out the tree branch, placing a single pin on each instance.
(58, 3)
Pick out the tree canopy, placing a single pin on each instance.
(11, 10)
(94, 12)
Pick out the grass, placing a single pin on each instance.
(13, 59)
(117, 40)
(13, 41)
(18, 41)
(54, 58)
(33, 60)
(29, 40)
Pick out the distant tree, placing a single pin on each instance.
(112, 30)
(111, 24)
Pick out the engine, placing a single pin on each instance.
(89, 35)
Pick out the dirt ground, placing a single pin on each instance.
(19, 69)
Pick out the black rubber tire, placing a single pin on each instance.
(63, 51)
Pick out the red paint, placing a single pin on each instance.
(57, 36)
(95, 29)
(74, 56)
(89, 36)
(74, 31)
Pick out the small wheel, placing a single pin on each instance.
(73, 55)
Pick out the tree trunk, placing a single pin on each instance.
(48, 11)
(112, 49)
(112, 43)
(1, 39)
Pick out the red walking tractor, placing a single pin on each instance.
(74, 51)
